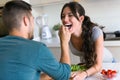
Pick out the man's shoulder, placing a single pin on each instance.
(32, 42)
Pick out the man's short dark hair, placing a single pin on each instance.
(13, 12)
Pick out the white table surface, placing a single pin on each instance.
(113, 66)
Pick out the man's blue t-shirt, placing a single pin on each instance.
(23, 59)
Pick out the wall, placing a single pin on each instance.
(53, 12)
(103, 12)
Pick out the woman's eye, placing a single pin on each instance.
(70, 15)
(62, 16)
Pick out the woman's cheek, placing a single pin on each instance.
(72, 30)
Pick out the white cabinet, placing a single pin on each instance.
(2, 2)
(46, 2)
(54, 45)
(114, 48)
(115, 51)
(57, 53)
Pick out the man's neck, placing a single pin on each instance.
(18, 33)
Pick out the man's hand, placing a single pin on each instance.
(44, 76)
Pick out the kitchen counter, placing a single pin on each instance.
(113, 39)
(54, 42)
(54, 45)
(112, 43)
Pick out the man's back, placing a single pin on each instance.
(22, 59)
(18, 59)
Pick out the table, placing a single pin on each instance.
(113, 66)
(98, 76)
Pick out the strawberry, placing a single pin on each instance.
(104, 72)
(108, 73)
(114, 73)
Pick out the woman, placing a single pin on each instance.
(86, 39)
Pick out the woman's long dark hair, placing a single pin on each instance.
(88, 46)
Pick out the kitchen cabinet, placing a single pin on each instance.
(2, 2)
(57, 53)
(3, 30)
(54, 46)
(113, 46)
(35, 3)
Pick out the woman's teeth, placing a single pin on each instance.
(68, 25)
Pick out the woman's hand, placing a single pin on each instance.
(64, 34)
(78, 75)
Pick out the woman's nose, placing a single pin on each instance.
(66, 19)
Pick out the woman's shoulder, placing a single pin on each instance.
(96, 32)
(96, 28)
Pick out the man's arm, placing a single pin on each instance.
(65, 36)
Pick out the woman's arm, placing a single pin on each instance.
(99, 51)
(95, 68)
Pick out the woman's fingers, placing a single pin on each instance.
(73, 74)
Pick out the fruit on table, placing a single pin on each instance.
(75, 67)
(109, 73)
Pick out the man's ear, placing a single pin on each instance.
(25, 20)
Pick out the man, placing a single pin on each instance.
(22, 58)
